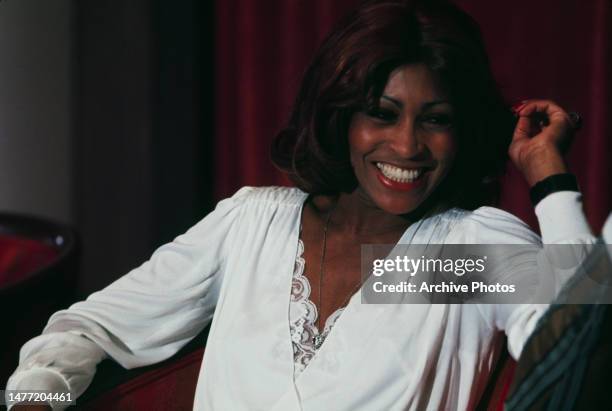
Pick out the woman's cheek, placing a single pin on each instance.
(444, 147)
(363, 138)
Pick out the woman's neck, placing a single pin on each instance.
(356, 215)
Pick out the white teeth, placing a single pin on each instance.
(399, 174)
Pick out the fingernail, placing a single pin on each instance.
(517, 106)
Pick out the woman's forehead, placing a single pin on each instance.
(414, 82)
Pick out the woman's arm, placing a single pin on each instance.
(142, 318)
(542, 134)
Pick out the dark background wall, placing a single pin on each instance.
(106, 122)
(36, 107)
(144, 128)
(129, 119)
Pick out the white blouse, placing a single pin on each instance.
(238, 264)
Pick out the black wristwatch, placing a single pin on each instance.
(552, 184)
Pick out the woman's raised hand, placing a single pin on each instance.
(542, 134)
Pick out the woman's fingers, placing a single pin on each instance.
(542, 133)
(544, 110)
(522, 130)
(545, 121)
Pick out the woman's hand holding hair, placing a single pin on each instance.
(543, 133)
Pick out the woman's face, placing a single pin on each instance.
(403, 149)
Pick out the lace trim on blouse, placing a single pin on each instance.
(303, 316)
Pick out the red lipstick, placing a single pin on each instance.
(396, 185)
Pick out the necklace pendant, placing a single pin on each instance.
(318, 341)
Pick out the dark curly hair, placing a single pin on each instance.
(348, 75)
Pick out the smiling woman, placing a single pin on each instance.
(396, 137)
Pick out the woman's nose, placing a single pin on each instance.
(406, 142)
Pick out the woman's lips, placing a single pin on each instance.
(409, 180)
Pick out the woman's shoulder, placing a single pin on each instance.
(274, 195)
(488, 225)
(248, 205)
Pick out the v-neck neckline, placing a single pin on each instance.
(300, 216)
(347, 311)
(304, 313)
(315, 363)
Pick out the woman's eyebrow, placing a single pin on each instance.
(434, 103)
(398, 103)
(425, 106)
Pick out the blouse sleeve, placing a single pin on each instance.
(144, 317)
(561, 221)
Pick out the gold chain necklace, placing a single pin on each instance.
(320, 337)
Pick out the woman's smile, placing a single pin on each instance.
(398, 178)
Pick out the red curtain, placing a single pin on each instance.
(543, 49)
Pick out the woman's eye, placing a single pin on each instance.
(382, 114)
(437, 121)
